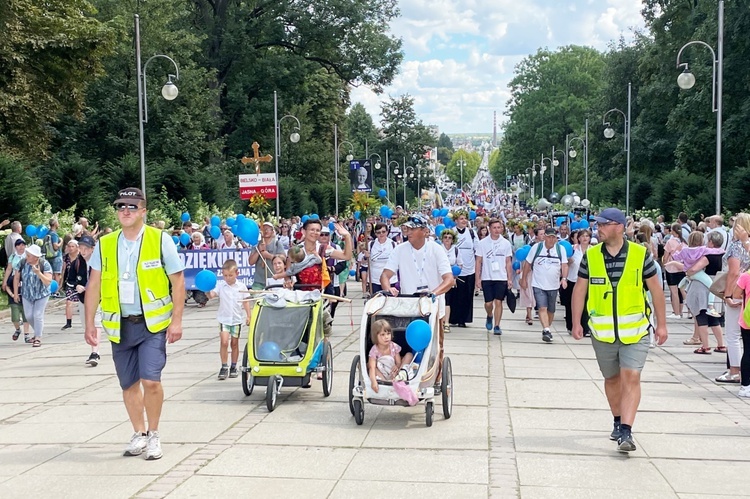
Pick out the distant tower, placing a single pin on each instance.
(494, 129)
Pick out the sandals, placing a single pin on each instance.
(16, 334)
(728, 378)
(720, 349)
(692, 341)
(703, 351)
(529, 321)
(446, 328)
(36, 342)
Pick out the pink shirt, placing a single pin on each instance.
(744, 283)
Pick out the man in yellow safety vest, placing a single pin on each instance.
(137, 277)
(612, 282)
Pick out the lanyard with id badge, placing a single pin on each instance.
(494, 264)
(125, 285)
(420, 270)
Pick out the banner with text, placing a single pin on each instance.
(258, 183)
(197, 260)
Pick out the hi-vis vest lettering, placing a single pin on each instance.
(153, 284)
(617, 312)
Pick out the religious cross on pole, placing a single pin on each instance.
(257, 158)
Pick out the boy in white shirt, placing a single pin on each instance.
(494, 264)
(230, 316)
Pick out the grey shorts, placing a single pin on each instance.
(546, 299)
(140, 354)
(615, 356)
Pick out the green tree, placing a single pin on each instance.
(454, 168)
(49, 53)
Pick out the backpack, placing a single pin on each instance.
(539, 250)
(49, 249)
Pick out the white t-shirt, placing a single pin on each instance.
(417, 268)
(394, 232)
(465, 245)
(494, 253)
(547, 266)
(379, 255)
(574, 266)
(231, 311)
(454, 256)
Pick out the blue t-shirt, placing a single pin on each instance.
(170, 260)
(32, 287)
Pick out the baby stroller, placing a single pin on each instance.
(429, 374)
(285, 343)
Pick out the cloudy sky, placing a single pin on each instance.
(459, 55)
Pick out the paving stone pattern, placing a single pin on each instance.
(530, 420)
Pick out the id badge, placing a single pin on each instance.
(495, 266)
(127, 292)
(422, 289)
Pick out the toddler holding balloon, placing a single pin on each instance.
(230, 316)
(385, 355)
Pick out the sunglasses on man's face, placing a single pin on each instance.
(129, 207)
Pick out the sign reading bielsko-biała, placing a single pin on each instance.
(258, 183)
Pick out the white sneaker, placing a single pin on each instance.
(744, 391)
(154, 446)
(674, 316)
(713, 313)
(137, 445)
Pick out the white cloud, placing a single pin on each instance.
(459, 55)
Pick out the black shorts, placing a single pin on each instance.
(674, 278)
(703, 319)
(494, 290)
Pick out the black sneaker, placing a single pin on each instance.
(497, 331)
(625, 443)
(223, 372)
(488, 323)
(616, 432)
(66, 326)
(93, 359)
(233, 372)
(546, 336)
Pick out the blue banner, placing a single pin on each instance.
(197, 260)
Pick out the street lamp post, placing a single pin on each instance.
(294, 138)
(572, 153)
(349, 157)
(686, 80)
(376, 165)
(169, 92)
(395, 172)
(555, 162)
(461, 163)
(407, 175)
(609, 133)
(544, 168)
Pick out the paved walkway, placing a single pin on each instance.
(530, 420)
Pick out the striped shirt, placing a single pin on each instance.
(615, 264)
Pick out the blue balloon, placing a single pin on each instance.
(571, 215)
(248, 231)
(241, 216)
(584, 224)
(384, 211)
(575, 225)
(439, 230)
(315, 216)
(185, 239)
(435, 213)
(352, 272)
(472, 215)
(53, 286)
(559, 221)
(31, 230)
(444, 212)
(568, 247)
(304, 218)
(418, 335)
(231, 222)
(382, 193)
(269, 350)
(215, 231)
(215, 220)
(522, 253)
(516, 265)
(456, 270)
(175, 239)
(205, 280)
(42, 231)
(357, 214)
(449, 223)
(185, 217)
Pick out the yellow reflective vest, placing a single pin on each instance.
(619, 312)
(153, 284)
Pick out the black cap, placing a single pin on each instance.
(550, 231)
(87, 241)
(19, 242)
(130, 195)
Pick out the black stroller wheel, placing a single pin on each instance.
(429, 412)
(353, 381)
(248, 380)
(271, 393)
(446, 388)
(328, 369)
(359, 412)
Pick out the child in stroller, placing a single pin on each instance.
(384, 357)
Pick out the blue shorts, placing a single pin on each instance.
(494, 290)
(140, 354)
(546, 299)
(56, 264)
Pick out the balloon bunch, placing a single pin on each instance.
(580, 224)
